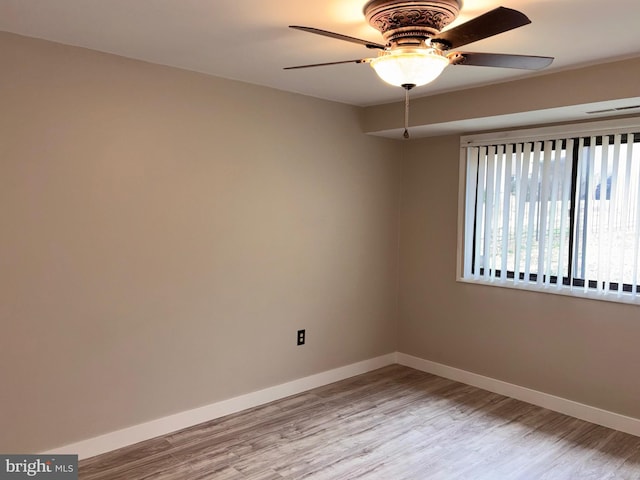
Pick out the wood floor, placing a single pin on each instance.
(395, 423)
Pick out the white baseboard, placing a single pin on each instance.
(162, 426)
(562, 405)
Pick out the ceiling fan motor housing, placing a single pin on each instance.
(406, 22)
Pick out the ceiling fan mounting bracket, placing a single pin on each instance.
(407, 21)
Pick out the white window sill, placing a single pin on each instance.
(576, 292)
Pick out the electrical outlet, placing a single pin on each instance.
(301, 337)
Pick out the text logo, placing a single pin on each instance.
(50, 467)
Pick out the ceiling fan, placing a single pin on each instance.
(416, 50)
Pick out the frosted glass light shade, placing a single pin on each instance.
(409, 67)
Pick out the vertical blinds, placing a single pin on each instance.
(555, 213)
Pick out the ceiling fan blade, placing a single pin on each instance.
(362, 60)
(525, 62)
(491, 23)
(339, 36)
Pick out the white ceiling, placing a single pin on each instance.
(248, 40)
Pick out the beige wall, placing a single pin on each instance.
(579, 349)
(164, 235)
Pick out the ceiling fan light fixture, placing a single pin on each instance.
(416, 66)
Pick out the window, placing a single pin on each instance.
(554, 210)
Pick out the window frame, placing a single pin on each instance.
(562, 287)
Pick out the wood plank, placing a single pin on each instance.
(394, 423)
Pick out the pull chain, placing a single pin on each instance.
(407, 87)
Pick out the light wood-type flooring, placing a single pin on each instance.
(395, 423)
